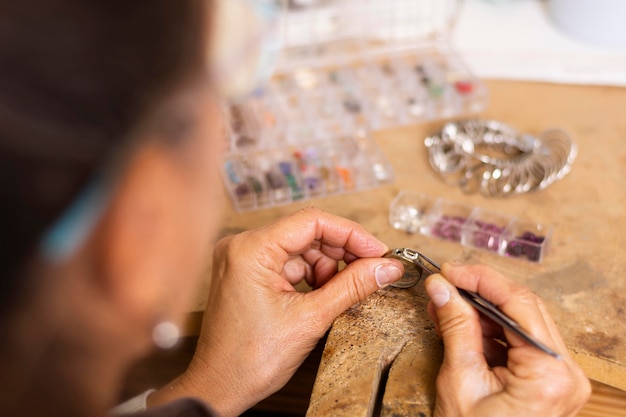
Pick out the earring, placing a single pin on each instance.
(165, 335)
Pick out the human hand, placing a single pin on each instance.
(257, 328)
(479, 375)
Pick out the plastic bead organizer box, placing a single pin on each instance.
(345, 68)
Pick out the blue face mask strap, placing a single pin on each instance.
(70, 231)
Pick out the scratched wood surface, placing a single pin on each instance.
(581, 278)
(381, 358)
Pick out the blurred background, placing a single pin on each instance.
(568, 41)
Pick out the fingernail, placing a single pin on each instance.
(385, 274)
(438, 293)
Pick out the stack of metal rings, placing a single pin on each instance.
(491, 157)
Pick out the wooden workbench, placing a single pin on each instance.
(580, 278)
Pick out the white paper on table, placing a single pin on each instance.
(517, 40)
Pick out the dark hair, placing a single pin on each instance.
(76, 76)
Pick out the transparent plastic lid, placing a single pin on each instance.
(322, 33)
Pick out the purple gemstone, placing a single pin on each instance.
(242, 189)
(527, 244)
(312, 182)
(448, 228)
(532, 252)
(514, 249)
(285, 168)
(481, 239)
(485, 235)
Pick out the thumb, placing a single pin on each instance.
(352, 285)
(458, 323)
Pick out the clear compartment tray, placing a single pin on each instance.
(270, 177)
(347, 67)
(470, 226)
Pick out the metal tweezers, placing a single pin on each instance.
(426, 266)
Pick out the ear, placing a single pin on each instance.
(136, 240)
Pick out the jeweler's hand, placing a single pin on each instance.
(480, 376)
(257, 328)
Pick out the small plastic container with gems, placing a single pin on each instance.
(346, 68)
(470, 226)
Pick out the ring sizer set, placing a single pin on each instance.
(470, 226)
(495, 159)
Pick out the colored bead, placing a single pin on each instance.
(242, 189)
(285, 167)
(352, 105)
(527, 244)
(449, 228)
(435, 90)
(312, 182)
(245, 140)
(229, 167)
(515, 249)
(345, 176)
(270, 120)
(275, 180)
(530, 236)
(487, 236)
(464, 87)
(256, 184)
(296, 191)
(236, 119)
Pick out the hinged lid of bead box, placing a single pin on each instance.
(345, 68)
